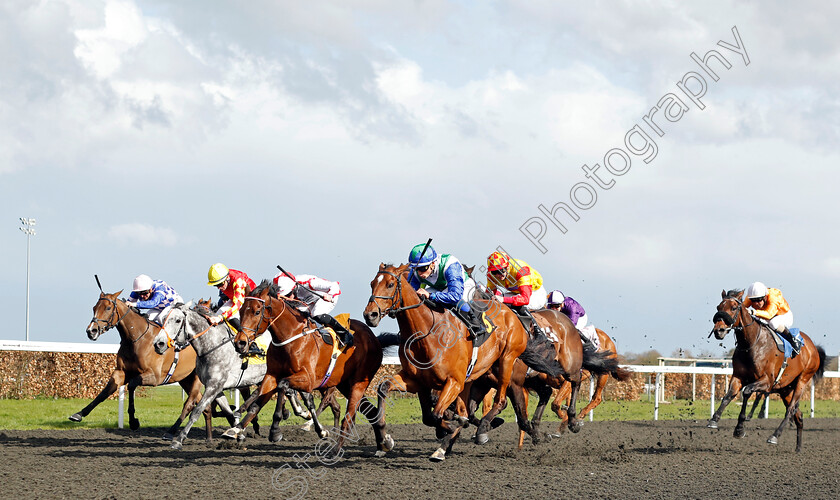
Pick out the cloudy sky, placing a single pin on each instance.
(160, 137)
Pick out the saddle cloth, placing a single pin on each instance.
(329, 336)
(782, 344)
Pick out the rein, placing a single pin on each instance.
(256, 331)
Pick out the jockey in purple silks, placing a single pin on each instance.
(572, 308)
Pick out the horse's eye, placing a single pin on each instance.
(390, 285)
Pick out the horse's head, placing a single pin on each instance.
(728, 312)
(256, 314)
(174, 330)
(386, 293)
(106, 314)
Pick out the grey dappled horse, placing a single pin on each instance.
(217, 364)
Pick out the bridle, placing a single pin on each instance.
(259, 331)
(730, 321)
(179, 346)
(108, 324)
(396, 298)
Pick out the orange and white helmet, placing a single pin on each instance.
(142, 283)
(217, 273)
(497, 261)
(285, 283)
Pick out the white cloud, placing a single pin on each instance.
(143, 234)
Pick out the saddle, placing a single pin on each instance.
(782, 344)
(329, 336)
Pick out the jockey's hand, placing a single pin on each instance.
(423, 293)
(215, 320)
(500, 298)
(328, 298)
(131, 303)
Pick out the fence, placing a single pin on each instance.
(658, 371)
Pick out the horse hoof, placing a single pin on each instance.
(168, 436)
(275, 436)
(232, 433)
(380, 453)
(76, 417)
(739, 433)
(324, 433)
(438, 456)
(307, 426)
(773, 440)
(576, 427)
(712, 424)
(553, 435)
(388, 443)
(176, 445)
(482, 438)
(133, 424)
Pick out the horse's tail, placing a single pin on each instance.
(388, 339)
(821, 368)
(602, 362)
(540, 355)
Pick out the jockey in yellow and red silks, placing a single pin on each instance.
(514, 282)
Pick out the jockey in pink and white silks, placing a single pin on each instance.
(319, 295)
(154, 295)
(572, 308)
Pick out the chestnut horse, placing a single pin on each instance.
(761, 368)
(298, 357)
(138, 363)
(435, 354)
(561, 396)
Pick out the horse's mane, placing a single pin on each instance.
(732, 294)
(271, 286)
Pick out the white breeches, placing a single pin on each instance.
(321, 306)
(782, 321)
(159, 315)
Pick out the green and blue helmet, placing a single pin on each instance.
(414, 256)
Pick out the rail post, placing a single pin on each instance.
(121, 407)
(592, 393)
(656, 399)
(712, 409)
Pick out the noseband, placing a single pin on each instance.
(729, 320)
(107, 324)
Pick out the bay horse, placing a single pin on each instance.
(435, 355)
(217, 364)
(138, 363)
(759, 367)
(561, 396)
(298, 358)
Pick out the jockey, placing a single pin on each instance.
(154, 295)
(516, 284)
(771, 306)
(233, 286)
(319, 295)
(443, 280)
(572, 308)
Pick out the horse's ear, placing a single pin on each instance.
(740, 294)
(381, 266)
(118, 294)
(723, 294)
(189, 304)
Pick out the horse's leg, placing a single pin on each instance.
(758, 399)
(519, 396)
(256, 402)
(117, 379)
(800, 424)
(791, 400)
(274, 434)
(192, 386)
(596, 398)
(747, 391)
(574, 424)
(478, 392)
(245, 391)
(327, 399)
(376, 414)
(211, 392)
(224, 410)
(355, 397)
(451, 389)
(133, 423)
(561, 403)
(735, 384)
(309, 401)
(295, 398)
(544, 391)
(505, 364)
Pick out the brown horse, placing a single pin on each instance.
(561, 396)
(138, 363)
(298, 357)
(761, 368)
(435, 354)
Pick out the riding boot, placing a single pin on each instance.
(529, 321)
(794, 343)
(344, 336)
(475, 325)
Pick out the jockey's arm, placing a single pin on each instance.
(522, 299)
(238, 299)
(156, 298)
(454, 290)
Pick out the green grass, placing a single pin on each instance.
(159, 407)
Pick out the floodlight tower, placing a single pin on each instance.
(29, 230)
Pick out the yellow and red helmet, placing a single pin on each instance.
(217, 273)
(497, 261)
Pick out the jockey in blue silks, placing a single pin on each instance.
(443, 280)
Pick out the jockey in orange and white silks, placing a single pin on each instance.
(514, 282)
(771, 306)
(319, 295)
(154, 295)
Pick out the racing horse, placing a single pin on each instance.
(300, 359)
(217, 364)
(761, 368)
(435, 355)
(137, 362)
